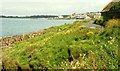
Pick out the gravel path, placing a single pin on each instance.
(92, 25)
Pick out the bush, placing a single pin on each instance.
(113, 23)
(116, 6)
(99, 21)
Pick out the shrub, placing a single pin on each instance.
(99, 21)
(113, 23)
(115, 6)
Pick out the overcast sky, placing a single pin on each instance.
(33, 7)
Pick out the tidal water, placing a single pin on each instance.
(15, 26)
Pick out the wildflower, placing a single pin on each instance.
(66, 64)
(98, 40)
(77, 63)
(111, 43)
(90, 51)
(105, 45)
(90, 32)
(84, 54)
(80, 55)
(110, 37)
(48, 61)
(73, 67)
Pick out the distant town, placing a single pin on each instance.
(87, 15)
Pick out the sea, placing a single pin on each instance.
(19, 26)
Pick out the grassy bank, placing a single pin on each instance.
(69, 46)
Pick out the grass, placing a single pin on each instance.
(69, 46)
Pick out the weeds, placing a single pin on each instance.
(72, 47)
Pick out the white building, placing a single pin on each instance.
(60, 16)
(97, 15)
(83, 16)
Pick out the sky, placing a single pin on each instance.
(53, 7)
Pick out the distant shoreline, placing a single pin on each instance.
(47, 18)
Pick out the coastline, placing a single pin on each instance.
(49, 18)
(59, 41)
(12, 40)
(8, 41)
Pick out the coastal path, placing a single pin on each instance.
(92, 25)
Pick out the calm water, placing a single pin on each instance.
(12, 26)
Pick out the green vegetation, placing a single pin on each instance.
(99, 21)
(113, 12)
(108, 23)
(69, 46)
(113, 23)
(116, 6)
(66, 16)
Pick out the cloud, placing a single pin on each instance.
(57, 1)
(27, 7)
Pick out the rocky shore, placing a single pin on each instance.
(12, 40)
